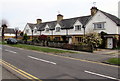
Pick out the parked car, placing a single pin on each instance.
(11, 41)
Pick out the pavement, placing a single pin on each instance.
(100, 55)
(7, 75)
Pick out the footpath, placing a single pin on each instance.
(5, 75)
(100, 55)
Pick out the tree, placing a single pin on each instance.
(25, 37)
(4, 26)
(93, 39)
(42, 38)
(16, 32)
(104, 40)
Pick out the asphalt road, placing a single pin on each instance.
(49, 66)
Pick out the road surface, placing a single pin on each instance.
(29, 64)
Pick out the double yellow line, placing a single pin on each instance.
(19, 71)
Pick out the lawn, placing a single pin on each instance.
(115, 61)
(43, 49)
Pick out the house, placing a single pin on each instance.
(73, 29)
(8, 33)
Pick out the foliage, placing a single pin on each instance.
(92, 39)
(25, 37)
(104, 40)
(114, 61)
(43, 49)
(42, 38)
(21, 34)
(35, 39)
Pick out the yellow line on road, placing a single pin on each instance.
(18, 71)
(23, 73)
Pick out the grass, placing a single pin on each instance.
(115, 61)
(42, 49)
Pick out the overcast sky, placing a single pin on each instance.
(19, 12)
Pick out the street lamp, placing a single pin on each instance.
(83, 29)
(32, 35)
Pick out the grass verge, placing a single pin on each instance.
(115, 61)
(43, 49)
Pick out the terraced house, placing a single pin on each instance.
(75, 28)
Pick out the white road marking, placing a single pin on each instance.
(100, 75)
(42, 60)
(11, 51)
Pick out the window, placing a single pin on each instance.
(57, 29)
(99, 25)
(77, 27)
(78, 39)
(27, 30)
(35, 30)
(57, 38)
(47, 29)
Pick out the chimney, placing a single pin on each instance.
(39, 21)
(59, 17)
(93, 11)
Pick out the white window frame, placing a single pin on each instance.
(79, 27)
(99, 26)
(47, 29)
(57, 30)
(27, 30)
(35, 30)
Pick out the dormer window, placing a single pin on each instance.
(77, 27)
(35, 30)
(47, 29)
(57, 29)
(27, 30)
(100, 25)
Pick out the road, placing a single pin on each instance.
(38, 65)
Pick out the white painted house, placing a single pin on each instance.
(74, 28)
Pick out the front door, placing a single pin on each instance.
(70, 40)
(110, 43)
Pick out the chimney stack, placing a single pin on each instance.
(59, 17)
(39, 21)
(94, 11)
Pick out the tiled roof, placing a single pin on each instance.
(68, 23)
(32, 25)
(65, 23)
(10, 31)
(112, 17)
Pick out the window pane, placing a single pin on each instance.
(98, 25)
(77, 27)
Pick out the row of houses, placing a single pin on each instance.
(8, 33)
(75, 28)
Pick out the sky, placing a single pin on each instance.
(18, 13)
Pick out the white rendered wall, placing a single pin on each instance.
(79, 32)
(110, 26)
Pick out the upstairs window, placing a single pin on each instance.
(100, 25)
(47, 29)
(35, 31)
(78, 39)
(57, 29)
(77, 27)
(27, 30)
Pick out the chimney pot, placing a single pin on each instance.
(39, 21)
(94, 11)
(59, 17)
